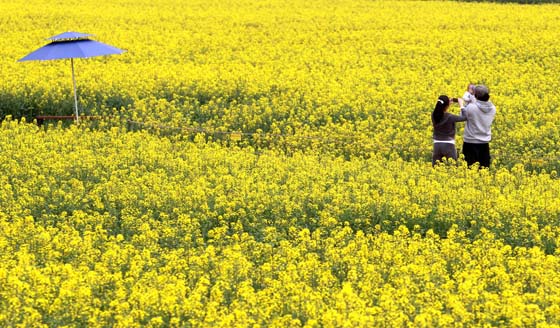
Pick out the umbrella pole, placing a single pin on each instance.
(75, 95)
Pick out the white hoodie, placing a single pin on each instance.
(480, 115)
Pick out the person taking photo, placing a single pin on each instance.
(444, 129)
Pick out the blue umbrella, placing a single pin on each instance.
(72, 45)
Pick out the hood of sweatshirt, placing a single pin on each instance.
(485, 106)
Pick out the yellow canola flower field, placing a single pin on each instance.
(322, 211)
(359, 76)
(108, 227)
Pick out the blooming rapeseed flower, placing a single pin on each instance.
(274, 170)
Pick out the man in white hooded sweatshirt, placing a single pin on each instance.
(477, 134)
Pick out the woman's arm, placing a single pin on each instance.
(461, 117)
(457, 118)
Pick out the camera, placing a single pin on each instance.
(454, 100)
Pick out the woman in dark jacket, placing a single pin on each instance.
(444, 129)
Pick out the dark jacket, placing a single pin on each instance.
(445, 129)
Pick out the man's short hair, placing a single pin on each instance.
(481, 92)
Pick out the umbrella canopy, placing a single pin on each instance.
(70, 45)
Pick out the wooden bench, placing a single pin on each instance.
(42, 118)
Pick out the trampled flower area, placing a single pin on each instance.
(268, 164)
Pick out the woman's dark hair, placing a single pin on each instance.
(441, 104)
